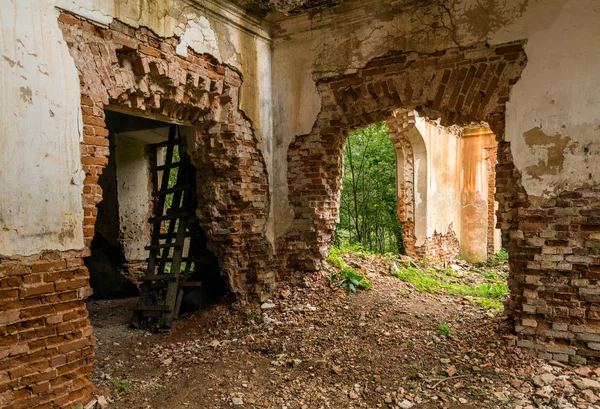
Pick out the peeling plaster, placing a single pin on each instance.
(552, 160)
(199, 36)
(39, 133)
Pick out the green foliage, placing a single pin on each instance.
(487, 303)
(368, 199)
(252, 315)
(345, 248)
(351, 279)
(78, 406)
(424, 281)
(121, 385)
(444, 329)
(335, 261)
(496, 259)
(490, 275)
(486, 295)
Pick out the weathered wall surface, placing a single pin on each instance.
(554, 113)
(443, 179)
(559, 35)
(363, 58)
(473, 191)
(53, 126)
(40, 132)
(42, 129)
(133, 196)
(443, 173)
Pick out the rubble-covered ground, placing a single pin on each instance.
(401, 344)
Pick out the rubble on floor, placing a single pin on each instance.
(320, 346)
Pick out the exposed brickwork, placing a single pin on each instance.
(46, 339)
(46, 342)
(136, 70)
(491, 159)
(456, 85)
(402, 121)
(555, 259)
(439, 247)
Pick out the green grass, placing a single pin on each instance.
(496, 259)
(121, 385)
(488, 294)
(443, 329)
(346, 248)
(335, 261)
(424, 281)
(488, 303)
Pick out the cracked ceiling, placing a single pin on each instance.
(262, 7)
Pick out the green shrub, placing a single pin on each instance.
(335, 261)
(352, 280)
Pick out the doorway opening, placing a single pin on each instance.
(368, 216)
(131, 184)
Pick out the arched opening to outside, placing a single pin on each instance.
(368, 199)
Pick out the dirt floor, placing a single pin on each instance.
(319, 346)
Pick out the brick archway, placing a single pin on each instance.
(457, 86)
(136, 71)
(51, 354)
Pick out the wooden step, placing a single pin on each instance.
(170, 216)
(198, 260)
(168, 166)
(175, 189)
(163, 246)
(182, 284)
(153, 308)
(157, 277)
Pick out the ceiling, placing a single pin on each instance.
(288, 7)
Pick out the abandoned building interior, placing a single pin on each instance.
(188, 152)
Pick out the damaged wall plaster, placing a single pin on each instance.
(553, 128)
(46, 107)
(133, 195)
(559, 35)
(40, 132)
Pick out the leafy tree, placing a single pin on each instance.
(368, 200)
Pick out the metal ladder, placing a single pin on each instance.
(174, 230)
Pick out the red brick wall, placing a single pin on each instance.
(138, 71)
(439, 247)
(455, 85)
(491, 158)
(46, 342)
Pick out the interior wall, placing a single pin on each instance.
(41, 123)
(134, 196)
(551, 120)
(40, 131)
(442, 182)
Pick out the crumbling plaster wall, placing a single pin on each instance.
(451, 214)
(133, 196)
(40, 132)
(554, 111)
(473, 193)
(41, 127)
(443, 174)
